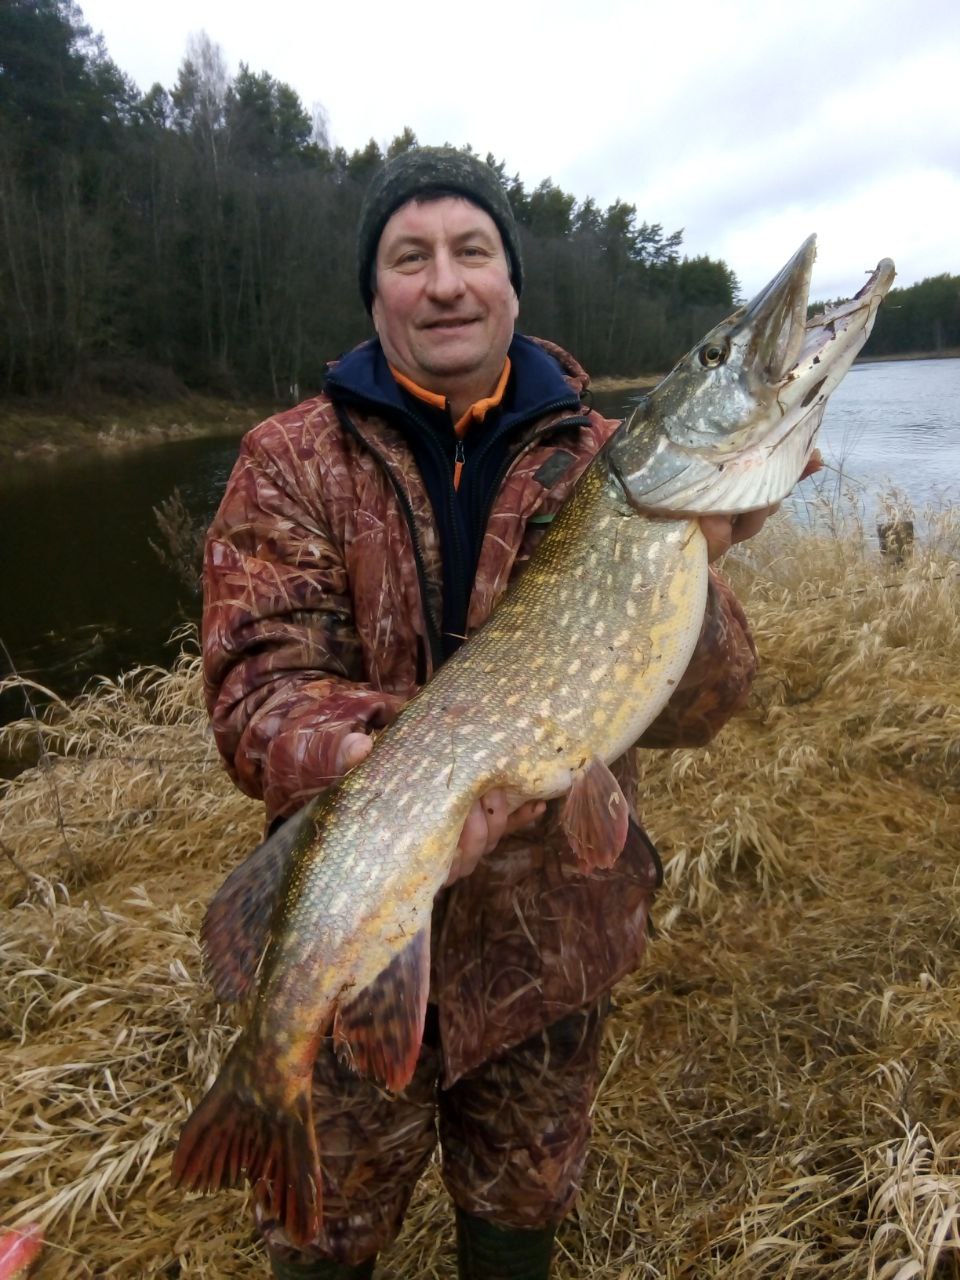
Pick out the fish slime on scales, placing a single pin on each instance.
(582, 652)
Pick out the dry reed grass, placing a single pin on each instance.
(782, 1082)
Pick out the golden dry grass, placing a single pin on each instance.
(782, 1078)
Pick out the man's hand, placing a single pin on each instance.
(487, 822)
(723, 532)
(353, 748)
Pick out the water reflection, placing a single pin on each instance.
(84, 592)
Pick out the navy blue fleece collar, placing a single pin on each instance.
(537, 381)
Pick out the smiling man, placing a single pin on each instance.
(445, 303)
(362, 536)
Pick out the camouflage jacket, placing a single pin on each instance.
(322, 587)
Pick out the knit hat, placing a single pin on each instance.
(432, 171)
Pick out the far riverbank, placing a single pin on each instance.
(645, 381)
(50, 427)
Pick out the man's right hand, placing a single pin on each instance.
(354, 747)
(488, 821)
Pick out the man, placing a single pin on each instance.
(362, 535)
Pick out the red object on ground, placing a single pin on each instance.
(19, 1249)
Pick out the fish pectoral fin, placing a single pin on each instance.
(378, 1032)
(236, 927)
(595, 817)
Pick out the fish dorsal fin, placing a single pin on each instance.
(379, 1031)
(595, 817)
(236, 927)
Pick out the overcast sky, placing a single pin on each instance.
(747, 124)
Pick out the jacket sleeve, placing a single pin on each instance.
(716, 684)
(282, 660)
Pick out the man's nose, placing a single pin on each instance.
(445, 281)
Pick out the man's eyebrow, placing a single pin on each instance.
(411, 239)
(408, 238)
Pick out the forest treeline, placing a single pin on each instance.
(923, 317)
(203, 235)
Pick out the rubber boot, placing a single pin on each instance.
(320, 1269)
(487, 1252)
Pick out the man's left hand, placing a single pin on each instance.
(723, 532)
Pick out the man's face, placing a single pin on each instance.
(444, 306)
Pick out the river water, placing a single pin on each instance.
(84, 593)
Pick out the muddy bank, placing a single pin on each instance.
(644, 381)
(53, 428)
(950, 353)
(641, 382)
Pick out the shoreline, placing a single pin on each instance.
(643, 381)
(615, 382)
(951, 353)
(49, 429)
(39, 430)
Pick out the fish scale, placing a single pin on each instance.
(576, 660)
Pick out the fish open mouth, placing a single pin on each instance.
(774, 321)
(737, 437)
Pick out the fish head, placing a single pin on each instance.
(732, 427)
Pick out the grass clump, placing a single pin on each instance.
(781, 1095)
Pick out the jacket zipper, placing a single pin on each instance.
(466, 573)
(433, 628)
(459, 554)
(458, 462)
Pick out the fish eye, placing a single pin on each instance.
(712, 354)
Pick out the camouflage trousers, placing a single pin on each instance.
(514, 1135)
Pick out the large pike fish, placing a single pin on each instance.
(578, 658)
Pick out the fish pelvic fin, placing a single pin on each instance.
(235, 1133)
(236, 927)
(595, 817)
(379, 1031)
(644, 859)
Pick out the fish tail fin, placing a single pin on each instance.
(236, 1133)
